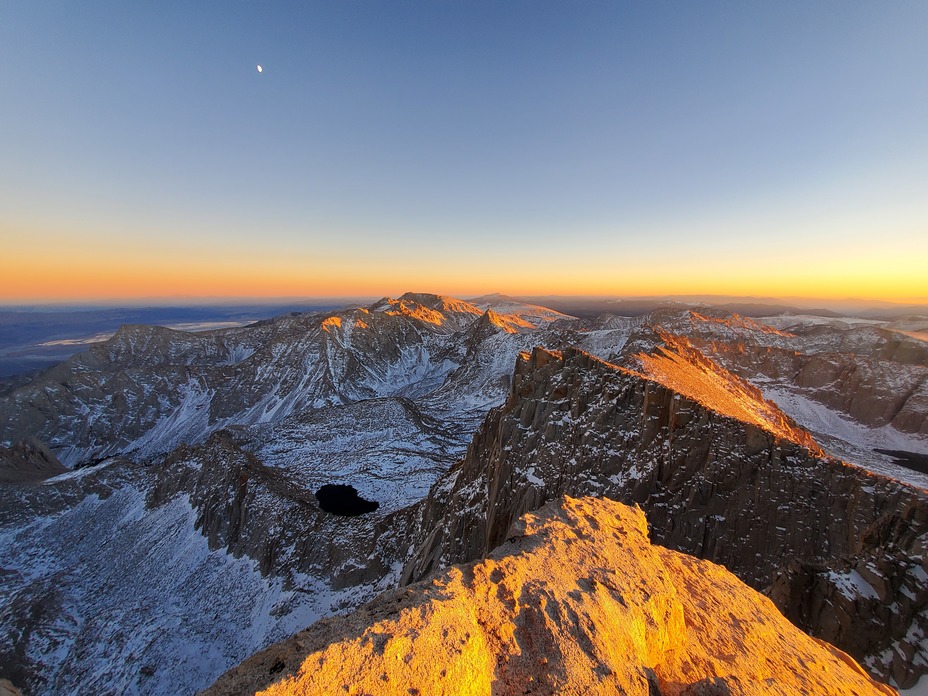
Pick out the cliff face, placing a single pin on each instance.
(576, 601)
(737, 493)
(250, 509)
(873, 603)
(28, 461)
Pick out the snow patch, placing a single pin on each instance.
(142, 605)
(849, 439)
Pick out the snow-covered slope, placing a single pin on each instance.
(108, 596)
(149, 389)
(222, 438)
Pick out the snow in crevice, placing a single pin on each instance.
(848, 439)
(142, 606)
(188, 422)
(852, 585)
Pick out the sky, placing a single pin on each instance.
(589, 148)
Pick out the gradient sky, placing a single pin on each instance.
(462, 147)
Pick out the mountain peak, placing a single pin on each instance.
(432, 309)
(510, 323)
(678, 365)
(576, 601)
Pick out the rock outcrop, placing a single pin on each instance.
(873, 603)
(575, 601)
(28, 461)
(749, 495)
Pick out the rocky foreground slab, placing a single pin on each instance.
(575, 601)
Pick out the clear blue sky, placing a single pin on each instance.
(584, 139)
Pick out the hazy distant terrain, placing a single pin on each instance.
(34, 338)
(746, 306)
(37, 337)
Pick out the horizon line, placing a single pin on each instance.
(208, 300)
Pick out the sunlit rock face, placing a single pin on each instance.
(752, 494)
(221, 440)
(574, 601)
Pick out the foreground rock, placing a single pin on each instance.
(721, 474)
(576, 601)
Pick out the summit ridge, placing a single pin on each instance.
(764, 445)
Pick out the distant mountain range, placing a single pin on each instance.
(34, 338)
(185, 532)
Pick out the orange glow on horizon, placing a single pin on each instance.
(101, 271)
(27, 281)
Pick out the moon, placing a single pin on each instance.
(260, 69)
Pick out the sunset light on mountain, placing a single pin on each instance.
(464, 347)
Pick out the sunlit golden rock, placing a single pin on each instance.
(331, 323)
(576, 601)
(681, 367)
(510, 323)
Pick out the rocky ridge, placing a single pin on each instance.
(386, 399)
(752, 496)
(574, 601)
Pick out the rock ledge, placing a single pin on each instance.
(575, 601)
